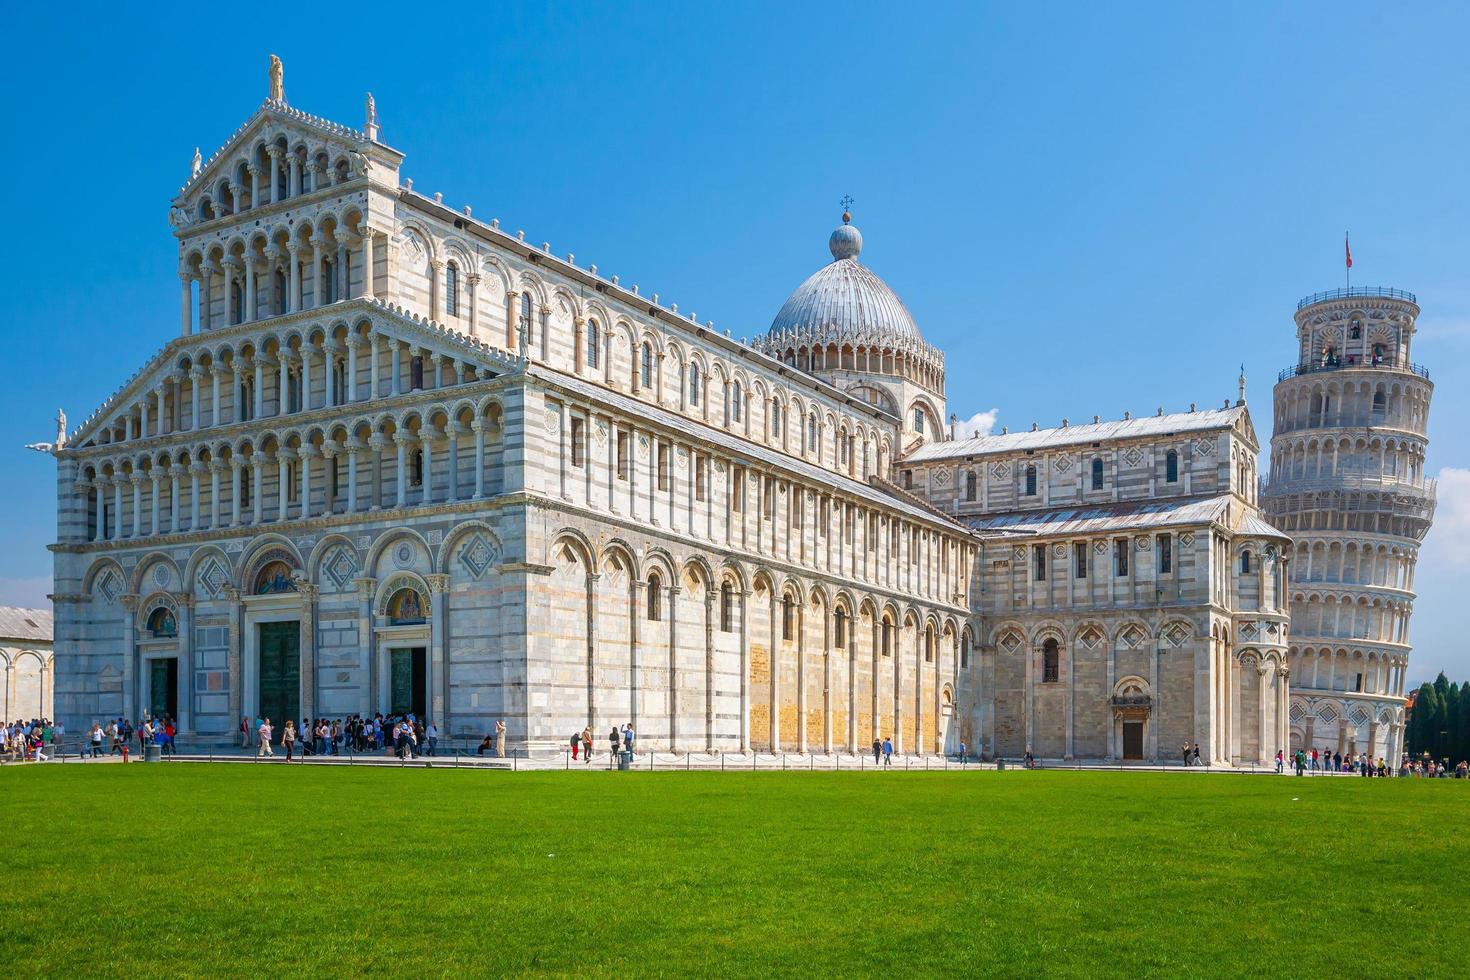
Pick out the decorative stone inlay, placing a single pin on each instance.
(435, 536)
(160, 575)
(1186, 539)
(1090, 637)
(599, 432)
(942, 478)
(1133, 456)
(1177, 634)
(553, 420)
(1018, 553)
(212, 576)
(1000, 469)
(643, 444)
(1248, 631)
(1133, 637)
(403, 554)
(1063, 463)
(364, 540)
(1099, 547)
(1010, 642)
(1205, 447)
(478, 555)
(340, 566)
(1143, 542)
(108, 586)
(1059, 551)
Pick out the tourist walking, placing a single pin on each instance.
(1280, 763)
(1195, 754)
(877, 750)
(628, 740)
(288, 738)
(264, 734)
(888, 751)
(576, 744)
(586, 745)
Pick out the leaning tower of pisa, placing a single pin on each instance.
(1347, 483)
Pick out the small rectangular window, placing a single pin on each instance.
(622, 455)
(1166, 554)
(701, 478)
(579, 443)
(737, 489)
(1079, 559)
(1120, 556)
(663, 466)
(1038, 560)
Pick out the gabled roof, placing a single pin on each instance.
(279, 113)
(1071, 435)
(19, 623)
(1129, 516)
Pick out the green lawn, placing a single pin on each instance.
(240, 869)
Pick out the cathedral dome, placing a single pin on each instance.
(844, 301)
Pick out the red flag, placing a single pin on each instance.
(1349, 249)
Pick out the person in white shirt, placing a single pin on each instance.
(265, 740)
(432, 734)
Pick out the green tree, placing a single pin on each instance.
(1464, 726)
(1423, 730)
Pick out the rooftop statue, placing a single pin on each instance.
(278, 80)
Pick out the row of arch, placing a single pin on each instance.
(1315, 403)
(273, 169)
(1383, 565)
(1350, 669)
(1349, 461)
(412, 457)
(1351, 616)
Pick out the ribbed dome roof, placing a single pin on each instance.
(844, 300)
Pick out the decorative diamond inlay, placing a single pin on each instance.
(212, 577)
(340, 566)
(1133, 456)
(478, 555)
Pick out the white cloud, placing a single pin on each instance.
(978, 424)
(28, 592)
(1448, 541)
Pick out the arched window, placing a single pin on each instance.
(887, 638)
(594, 343)
(451, 290)
(929, 645)
(1031, 479)
(280, 292)
(737, 402)
(406, 608)
(919, 420)
(416, 470)
(1380, 405)
(727, 608)
(1171, 467)
(839, 629)
(1097, 473)
(1245, 562)
(694, 383)
(161, 623)
(788, 618)
(775, 419)
(528, 336)
(1051, 658)
(237, 302)
(965, 651)
(970, 485)
(811, 434)
(655, 599)
(329, 281)
(645, 365)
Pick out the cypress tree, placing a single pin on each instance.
(1452, 721)
(1464, 750)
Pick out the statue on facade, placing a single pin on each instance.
(197, 165)
(60, 443)
(278, 80)
(178, 218)
(371, 117)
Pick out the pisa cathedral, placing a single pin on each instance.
(399, 459)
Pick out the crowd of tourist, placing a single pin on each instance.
(406, 736)
(1305, 761)
(32, 740)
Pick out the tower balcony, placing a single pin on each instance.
(1353, 292)
(1353, 363)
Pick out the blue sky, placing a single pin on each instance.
(1091, 208)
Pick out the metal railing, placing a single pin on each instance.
(1350, 363)
(1379, 292)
